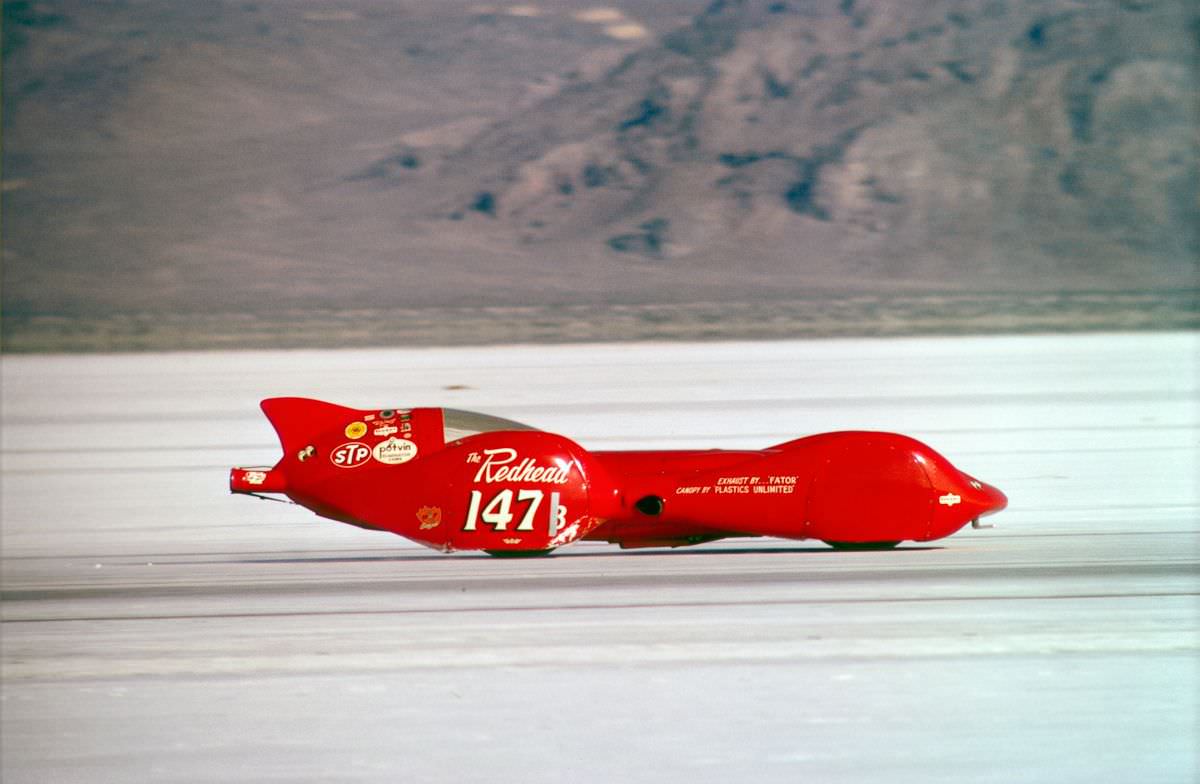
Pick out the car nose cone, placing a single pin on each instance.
(961, 499)
(982, 498)
(996, 500)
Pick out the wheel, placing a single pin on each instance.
(519, 553)
(862, 545)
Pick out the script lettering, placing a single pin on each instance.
(502, 465)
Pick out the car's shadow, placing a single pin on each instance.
(589, 554)
(815, 550)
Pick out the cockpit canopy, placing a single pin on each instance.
(458, 424)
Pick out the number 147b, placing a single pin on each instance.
(498, 512)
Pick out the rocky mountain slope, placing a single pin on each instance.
(273, 155)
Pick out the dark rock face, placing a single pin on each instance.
(170, 156)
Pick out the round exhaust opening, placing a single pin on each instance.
(651, 505)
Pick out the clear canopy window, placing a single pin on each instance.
(458, 424)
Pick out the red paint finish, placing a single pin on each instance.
(500, 487)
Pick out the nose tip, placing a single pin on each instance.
(983, 498)
(996, 499)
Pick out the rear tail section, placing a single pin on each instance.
(297, 419)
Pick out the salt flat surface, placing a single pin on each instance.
(156, 628)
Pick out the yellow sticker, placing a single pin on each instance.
(356, 430)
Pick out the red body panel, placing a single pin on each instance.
(524, 491)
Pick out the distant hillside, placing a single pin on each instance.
(164, 157)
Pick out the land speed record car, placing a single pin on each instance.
(459, 480)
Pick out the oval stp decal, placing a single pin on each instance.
(350, 455)
(395, 451)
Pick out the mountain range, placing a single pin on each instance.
(283, 155)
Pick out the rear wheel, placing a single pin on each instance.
(862, 545)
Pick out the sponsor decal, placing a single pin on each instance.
(350, 455)
(369, 418)
(502, 465)
(430, 517)
(356, 430)
(255, 477)
(384, 430)
(950, 499)
(394, 451)
(512, 541)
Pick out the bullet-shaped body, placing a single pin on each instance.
(847, 487)
(460, 481)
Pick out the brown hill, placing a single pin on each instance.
(258, 156)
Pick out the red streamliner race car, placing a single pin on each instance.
(457, 480)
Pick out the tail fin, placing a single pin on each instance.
(298, 419)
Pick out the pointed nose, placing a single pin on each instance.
(970, 498)
(958, 497)
(993, 500)
(984, 499)
(962, 499)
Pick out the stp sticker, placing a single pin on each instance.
(395, 451)
(356, 430)
(350, 455)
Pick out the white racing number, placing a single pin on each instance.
(498, 512)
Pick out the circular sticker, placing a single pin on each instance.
(356, 430)
(350, 455)
(395, 451)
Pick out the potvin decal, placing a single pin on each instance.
(350, 455)
(356, 430)
(395, 451)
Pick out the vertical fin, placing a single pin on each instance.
(298, 420)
